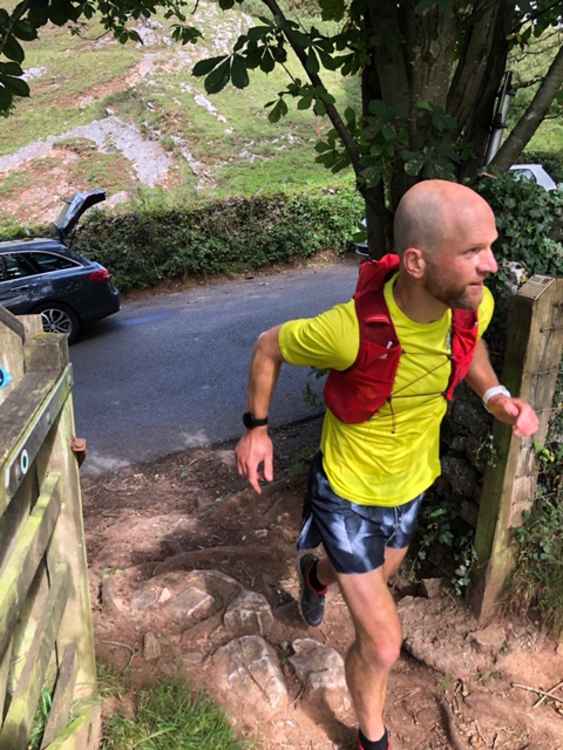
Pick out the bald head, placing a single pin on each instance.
(434, 212)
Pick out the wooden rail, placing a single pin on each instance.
(46, 636)
(531, 367)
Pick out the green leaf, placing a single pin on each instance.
(319, 108)
(10, 69)
(305, 102)
(329, 62)
(278, 111)
(423, 104)
(332, 10)
(60, 11)
(239, 74)
(16, 85)
(313, 61)
(203, 67)
(13, 49)
(388, 132)
(38, 15)
(218, 79)
(267, 63)
(257, 33)
(226, 4)
(25, 31)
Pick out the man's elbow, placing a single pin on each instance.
(267, 344)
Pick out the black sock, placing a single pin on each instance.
(313, 579)
(381, 744)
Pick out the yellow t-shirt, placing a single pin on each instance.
(394, 456)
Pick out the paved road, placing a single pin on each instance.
(169, 372)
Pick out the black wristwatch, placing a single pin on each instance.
(250, 422)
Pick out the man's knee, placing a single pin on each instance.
(380, 650)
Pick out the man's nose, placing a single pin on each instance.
(487, 262)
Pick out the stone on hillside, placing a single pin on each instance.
(431, 587)
(218, 585)
(151, 647)
(321, 671)
(249, 677)
(190, 606)
(113, 603)
(249, 614)
(490, 639)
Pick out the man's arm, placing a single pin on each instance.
(513, 411)
(255, 446)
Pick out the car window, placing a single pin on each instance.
(51, 262)
(524, 174)
(15, 266)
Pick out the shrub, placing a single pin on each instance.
(551, 161)
(230, 236)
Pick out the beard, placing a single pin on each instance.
(466, 297)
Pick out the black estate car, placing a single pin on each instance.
(44, 276)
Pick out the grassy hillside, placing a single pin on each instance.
(214, 147)
(217, 146)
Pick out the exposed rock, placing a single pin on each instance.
(151, 647)
(111, 601)
(321, 670)
(249, 614)
(146, 597)
(190, 606)
(490, 639)
(121, 197)
(249, 677)
(431, 587)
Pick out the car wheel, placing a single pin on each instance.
(58, 318)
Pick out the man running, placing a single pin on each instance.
(395, 353)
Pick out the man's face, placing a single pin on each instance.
(455, 272)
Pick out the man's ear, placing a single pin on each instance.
(414, 262)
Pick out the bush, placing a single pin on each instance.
(551, 161)
(528, 221)
(230, 236)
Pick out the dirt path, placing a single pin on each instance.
(149, 527)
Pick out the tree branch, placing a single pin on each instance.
(338, 123)
(532, 117)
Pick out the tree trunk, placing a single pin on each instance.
(479, 125)
(378, 218)
(532, 118)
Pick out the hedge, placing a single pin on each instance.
(230, 236)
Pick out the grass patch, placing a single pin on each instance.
(292, 168)
(170, 717)
(14, 183)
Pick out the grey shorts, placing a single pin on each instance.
(354, 536)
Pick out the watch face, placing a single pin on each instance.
(247, 419)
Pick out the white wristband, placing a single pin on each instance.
(496, 390)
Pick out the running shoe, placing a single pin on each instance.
(311, 602)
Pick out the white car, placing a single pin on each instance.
(536, 173)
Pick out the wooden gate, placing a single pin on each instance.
(47, 665)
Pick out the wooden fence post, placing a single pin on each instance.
(531, 366)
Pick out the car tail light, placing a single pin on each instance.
(99, 276)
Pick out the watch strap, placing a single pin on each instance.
(250, 421)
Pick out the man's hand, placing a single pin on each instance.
(254, 450)
(516, 412)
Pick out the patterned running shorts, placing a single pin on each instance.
(354, 536)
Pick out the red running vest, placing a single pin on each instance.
(357, 393)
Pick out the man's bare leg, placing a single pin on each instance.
(378, 637)
(393, 559)
(376, 648)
